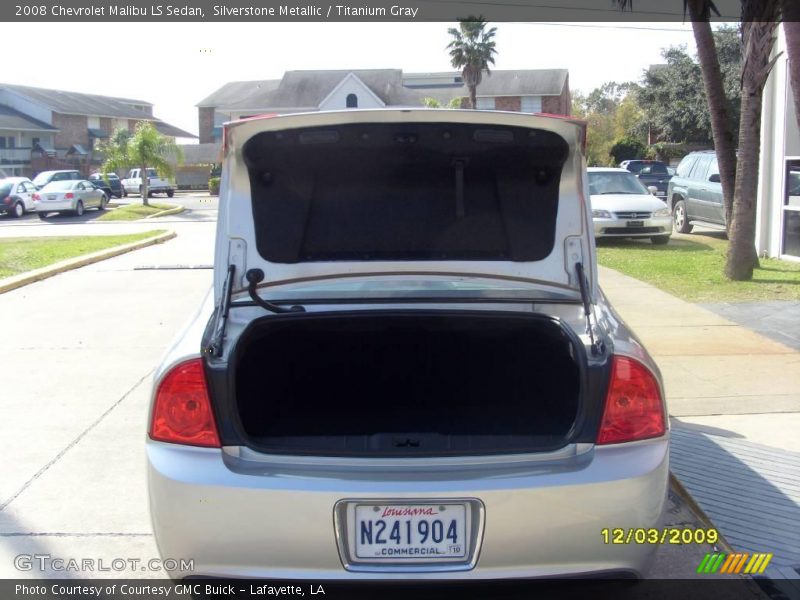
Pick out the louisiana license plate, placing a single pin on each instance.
(410, 532)
(635, 224)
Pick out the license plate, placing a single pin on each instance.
(635, 224)
(52, 197)
(410, 532)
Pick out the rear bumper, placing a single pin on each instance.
(241, 518)
(46, 207)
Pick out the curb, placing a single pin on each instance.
(17, 281)
(170, 211)
(701, 514)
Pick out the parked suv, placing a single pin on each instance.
(405, 369)
(110, 183)
(652, 173)
(45, 177)
(695, 193)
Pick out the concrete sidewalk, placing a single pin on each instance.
(711, 366)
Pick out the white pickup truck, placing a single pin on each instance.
(132, 184)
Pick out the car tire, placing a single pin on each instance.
(79, 209)
(680, 218)
(42, 215)
(19, 210)
(103, 202)
(170, 193)
(660, 240)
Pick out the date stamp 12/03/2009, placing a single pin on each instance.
(655, 535)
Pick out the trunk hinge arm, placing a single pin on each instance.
(215, 347)
(597, 346)
(256, 276)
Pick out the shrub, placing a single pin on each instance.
(213, 185)
(627, 148)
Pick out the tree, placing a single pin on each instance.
(115, 152)
(434, 103)
(472, 50)
(627, 148)
(147, 148)
(759, 22)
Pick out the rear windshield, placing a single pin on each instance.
(42, 178)
(5, 188)
(55, 186)
(405, 192)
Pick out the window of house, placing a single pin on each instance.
(34, 141)
(2, 142)
(531, 104)
(485, 103)
(351, 101)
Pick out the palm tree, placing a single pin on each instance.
(147, 148)
(115, 152)
(472, 50)
(759, 23)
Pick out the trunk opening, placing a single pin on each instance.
(406, 384)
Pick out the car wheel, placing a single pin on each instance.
(103, 201)
(124, 193)
(680, 218)
(140, 190)
(19, 210)
(660, 240)
(79, 209)
(170, 193)
(42, 215)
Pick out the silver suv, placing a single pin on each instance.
(405, 369)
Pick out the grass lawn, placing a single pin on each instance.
(21, 254)
(132, 212)
(691, 266)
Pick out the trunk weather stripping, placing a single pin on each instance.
(596, 346)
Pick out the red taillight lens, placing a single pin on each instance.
(69, 196)
(37, 197)
(7, 200)
(634, 409)
(182, 411)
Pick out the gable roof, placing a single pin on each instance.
(299, 90)
(14, 119)
(76, 103)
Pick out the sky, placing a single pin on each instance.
(176, 65)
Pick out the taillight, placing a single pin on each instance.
(69, 196)
(7, 200)
(37, 197)
(634, 408)
(182, 410)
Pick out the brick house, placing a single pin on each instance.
(540, 90)
(43, 129)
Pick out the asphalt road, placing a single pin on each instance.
(78, 354)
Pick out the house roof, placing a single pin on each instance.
(307, 89)
(171, 130)
(76, 103)
(13, 119)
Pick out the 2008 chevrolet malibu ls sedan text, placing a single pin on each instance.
(406, 368)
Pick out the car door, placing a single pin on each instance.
(84, 193)
(695, 201)
(22, 193)
(713, 199)
(30, 189)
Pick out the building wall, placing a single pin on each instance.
(74, 129)
(508, 103)
(205, 116)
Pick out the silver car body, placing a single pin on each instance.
(62, 196)
(22, 190)
(628, 214)
(239, 512)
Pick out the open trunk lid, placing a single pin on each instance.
(428, 193)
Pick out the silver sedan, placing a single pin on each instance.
(73, 196)
(623, 207)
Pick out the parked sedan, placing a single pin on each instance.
(623, 207)
(406, 369)
(16, 196)
(69, 196)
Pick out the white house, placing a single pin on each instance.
(778, 216)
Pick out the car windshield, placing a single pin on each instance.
(41, 178)
(615, 182)
(56, 186)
